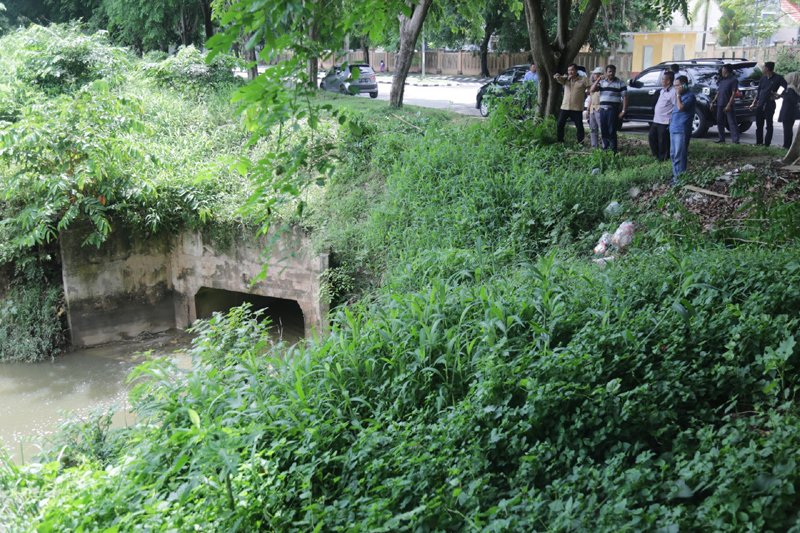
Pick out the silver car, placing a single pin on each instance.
(351, 79)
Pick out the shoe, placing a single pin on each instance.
(719, 141)
(737, 142)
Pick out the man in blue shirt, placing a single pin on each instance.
(679, 126)
(532, 75)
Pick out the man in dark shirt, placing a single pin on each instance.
(726, 93)
(768, 87)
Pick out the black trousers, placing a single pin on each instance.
(658, 137)
(764, 116)
(788, 134)
(577, 119)
(727, 118)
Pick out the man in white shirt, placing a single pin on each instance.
(659, 128)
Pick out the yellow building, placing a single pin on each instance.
(655, 47)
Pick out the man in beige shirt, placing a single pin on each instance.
(572, 105)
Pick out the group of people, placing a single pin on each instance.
(607, 105)
(671, 128)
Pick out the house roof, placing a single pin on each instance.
(792, 9)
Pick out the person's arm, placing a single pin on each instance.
(559, 78)
(624, 104)
(729, 106)
(595, 86)
(678, 101)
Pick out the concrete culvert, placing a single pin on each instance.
(285, 315)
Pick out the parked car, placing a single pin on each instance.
(351, 79)
(703, 75)
(505, 83)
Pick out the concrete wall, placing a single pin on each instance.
(129, 287)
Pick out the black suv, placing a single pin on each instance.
(703, 75)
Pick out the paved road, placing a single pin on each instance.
(460, 97)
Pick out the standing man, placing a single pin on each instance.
(726, 93)
(679, 124)
(613, 105)
(789, 113)
(532, 75)
(659, 136)
(593, 109)
(572, 104)
(764, 103)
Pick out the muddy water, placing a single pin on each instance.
(35, 399)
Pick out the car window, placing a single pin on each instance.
(518, 75)
(709, 76)
(650, 78)
(748, 75)
(507, 76)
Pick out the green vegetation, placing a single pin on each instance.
(485, 374)
(95, 141)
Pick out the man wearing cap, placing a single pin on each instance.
(572, 104)
(613, 105)
(659, 128)
(593, 109)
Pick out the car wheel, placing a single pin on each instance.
(322, 85)
(373, 95)
(744, 126)
(342, 89)
(699, 124)
(484, 107)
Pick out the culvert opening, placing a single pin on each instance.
(285, 315)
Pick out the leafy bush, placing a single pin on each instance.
(188, 68)
(60, 58)
(787, 61)
(31, 323)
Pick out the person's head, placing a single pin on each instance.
(667, 78)
(674, 68)
(572, 70)
(597, 73)
(611, 72)
(727, 70)
(769, 68)
(681, 83)
(533, 68)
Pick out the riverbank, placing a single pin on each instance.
(478, 341)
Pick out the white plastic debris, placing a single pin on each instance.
(634, 192)
(595, 171)
(612, 209)
(602, 244)
(748, 168)
(623, 236)
(603, 261)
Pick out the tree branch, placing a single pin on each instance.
(581, 32)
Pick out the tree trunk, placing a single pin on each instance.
(365, 49)
(409, 32)
(208, 24)
(553, 58)
(313, 62)
(488, 30)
